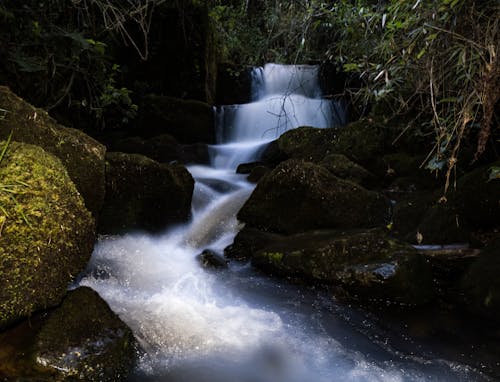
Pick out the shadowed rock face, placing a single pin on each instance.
(144, 194)
(82, 156)
(47, 234)
(298, 196)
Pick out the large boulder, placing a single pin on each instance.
(298, 196)
(84, 340)
(82, 156)
(187, 121)
(367, 264)
(144, 194)
(47, 234)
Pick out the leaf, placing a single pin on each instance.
(6, 146)
(494, 173)
(435, 164)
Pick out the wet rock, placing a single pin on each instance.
(211, 259)
(144, 194)
(84, 340)
(82, 156)
(258, 173)
(187, 121)
(367, 264)
(342, 167)
(246, 168)
(478, 197)
(47, 234)
(298, 196)
(481, 285)
(248, 241)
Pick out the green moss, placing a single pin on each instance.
(274, 257)
(82, 156)
(47, 234)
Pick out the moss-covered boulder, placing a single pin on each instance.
(361, 141)
(144, 194)
(46, 233)
(478, 197)
(186, 120)
(342, 167)
(367, 264)
(82, 156)
(481, 285)
(307, 143)
(84, 340)
(298, 196)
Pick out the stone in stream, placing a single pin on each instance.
(82, 156)
(298, 196)
(367, 264)
(211, 259)
(47, 234)
(84, 339)
(144, 194)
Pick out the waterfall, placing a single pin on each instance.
(195, 324)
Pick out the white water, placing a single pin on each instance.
(236, 325)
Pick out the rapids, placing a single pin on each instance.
(197, 324)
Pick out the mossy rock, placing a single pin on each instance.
(367, 264)
(84, 340)
(82, 156)
(361, 141)
(144, 194)
(481, 284)
(478, 197)
(47, 234)
(298, 196)
(342, 167)
(187, 121)
(307, 143)
(248, 241)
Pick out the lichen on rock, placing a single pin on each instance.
(46, 233)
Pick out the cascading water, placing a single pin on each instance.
(236, 325)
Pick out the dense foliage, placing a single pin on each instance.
(59, 54)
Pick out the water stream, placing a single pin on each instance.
(196, 324)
